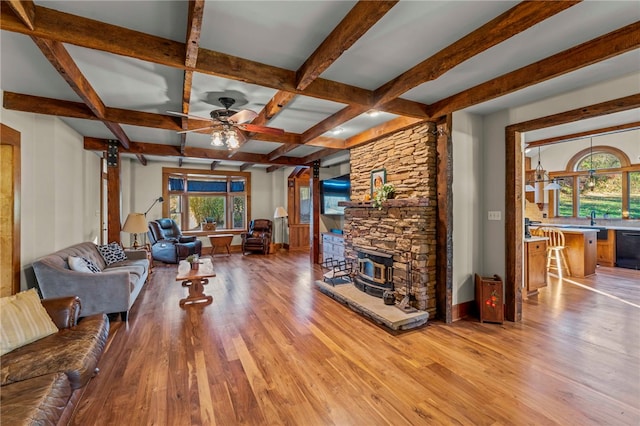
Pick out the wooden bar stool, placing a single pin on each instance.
(555, 249)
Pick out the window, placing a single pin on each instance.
(595, 182)
(196, 196)
(565, 197)
(634, 195)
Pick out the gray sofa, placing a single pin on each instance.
(113, 290)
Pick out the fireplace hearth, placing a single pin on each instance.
(375, 272)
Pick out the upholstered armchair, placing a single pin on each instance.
(168, 244)
(259, 236)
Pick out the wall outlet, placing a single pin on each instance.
(495, 215)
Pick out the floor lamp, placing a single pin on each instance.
(281, 213)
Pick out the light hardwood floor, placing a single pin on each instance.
(273, 350)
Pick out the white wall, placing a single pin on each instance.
(60, 187)
(467, 211)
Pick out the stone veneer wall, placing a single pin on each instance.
(406, 225)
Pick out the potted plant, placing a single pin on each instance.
(193, 261)
(383, 194)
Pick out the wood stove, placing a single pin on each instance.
(375, 272)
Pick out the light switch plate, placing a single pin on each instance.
(495, 215)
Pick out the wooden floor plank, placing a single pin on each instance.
(271, 349)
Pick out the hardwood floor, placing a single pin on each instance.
(272, 349)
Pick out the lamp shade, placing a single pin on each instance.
(280, 212)
(136, 223)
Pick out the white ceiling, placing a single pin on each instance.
(285, 34)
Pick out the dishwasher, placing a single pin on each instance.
(628, 249)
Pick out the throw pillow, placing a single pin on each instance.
(23, 320)
(112, 253)
(92, 265)
(82, 264)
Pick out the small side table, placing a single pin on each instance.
(220, 240)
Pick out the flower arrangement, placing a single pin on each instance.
(383, 194)
(193, 260)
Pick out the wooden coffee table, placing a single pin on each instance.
(220, 240)
(195, 279)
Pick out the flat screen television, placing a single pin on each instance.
(333, 191)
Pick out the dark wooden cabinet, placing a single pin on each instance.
(535, 266)
(490, 299)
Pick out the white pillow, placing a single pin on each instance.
(78, 264)
(23, 320)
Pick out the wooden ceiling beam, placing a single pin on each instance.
(214, 164)
(273, 168)
(382, 130)
(585, 134)
(61, 60)
(318, 155)
(246, 166)
(333, 121)
(146, 148)
(512, 22)
(354, 25)
(66, 28)
(273, 107)
(625, 103)
(599, 49)
(25, 10)
(194, 27)
(48, 106)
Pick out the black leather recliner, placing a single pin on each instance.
(168, 244)
(259, 236)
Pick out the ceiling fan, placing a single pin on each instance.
(227, 125)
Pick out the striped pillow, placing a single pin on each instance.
(23, 320)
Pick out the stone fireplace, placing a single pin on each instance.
(404, 229)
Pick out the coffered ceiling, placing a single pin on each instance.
(316, 69)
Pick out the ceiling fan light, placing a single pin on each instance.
(216, 140)
(232, 140)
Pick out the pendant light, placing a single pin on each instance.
(541, 174)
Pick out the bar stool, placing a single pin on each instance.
(555, 248)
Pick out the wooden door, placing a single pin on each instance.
(9, 211)
(299, 209)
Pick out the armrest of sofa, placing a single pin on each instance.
(187, 239)
(64, 311)
(136, 254)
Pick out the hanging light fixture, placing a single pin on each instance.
(541, 176)
(226, 136)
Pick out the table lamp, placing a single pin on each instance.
(135, 224)
(281, 213)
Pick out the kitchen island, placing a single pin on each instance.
(580, 250)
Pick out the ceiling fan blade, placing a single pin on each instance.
(180, 114)
(254, 128)
(195, 130)
(243, 116)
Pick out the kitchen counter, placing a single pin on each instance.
(580, 250)
(534, 239)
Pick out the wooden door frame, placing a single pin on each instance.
(11, 137)
(514, 226)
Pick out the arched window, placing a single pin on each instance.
(598, 160)
(599, 180)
